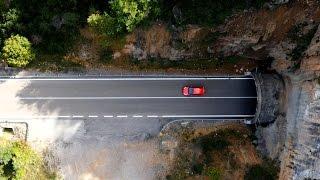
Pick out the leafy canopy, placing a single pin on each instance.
(130, 13)
(19, 161)
(124, 15)
(17, 51)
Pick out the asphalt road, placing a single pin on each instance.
(138, 97)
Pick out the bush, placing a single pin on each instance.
(17, 51)
(103, 24)
(213, 173)
(19, 161)
(130, 13)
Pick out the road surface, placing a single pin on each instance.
(135, 97)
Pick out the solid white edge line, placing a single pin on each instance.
(123, 79)
(125, 116)
(112, 98)
(205, 116)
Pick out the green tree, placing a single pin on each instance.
(17, 51)
(124, 15)
(55, 22)
(19, 161)
(10, 22)
(132, 12)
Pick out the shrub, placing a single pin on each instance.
(132, 12)
(19, 161)
(213, 173)
(103, 24)
(17, 51)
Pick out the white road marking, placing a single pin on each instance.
(205, 116)
(145, 97)
(124, 79)
(125, 116)
(63, 116)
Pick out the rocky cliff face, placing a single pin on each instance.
(294, 137)
(290, 36)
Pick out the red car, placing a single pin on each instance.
(193, 91)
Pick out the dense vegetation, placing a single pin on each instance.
(52, 26)
(19, 161)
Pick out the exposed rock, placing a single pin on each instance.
(139, 54)
(228, 46)
(159, 42)
(116, 55)
(301, 153)
(282, 61)
(310, 64)
(280, 1)
(177, 14)
(258, 47)
(193, 33)
(270, 27)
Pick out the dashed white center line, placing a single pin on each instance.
(92, 116)
(122, 116)
(152, 116)
(108, 116)
(63, 116)
(77, 116)
(137, 116)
